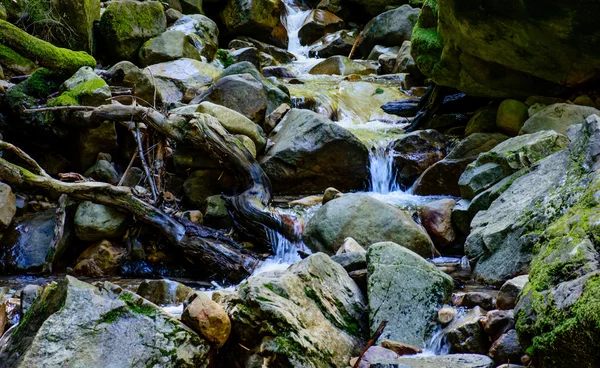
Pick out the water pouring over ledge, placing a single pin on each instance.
(293, 19)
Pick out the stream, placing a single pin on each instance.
(354, 105)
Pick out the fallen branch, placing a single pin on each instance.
(370, 343)
(59, 229)
(249, 209)
(216, 253)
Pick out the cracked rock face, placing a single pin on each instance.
(76, 324)
(310, 315)
(405, 290)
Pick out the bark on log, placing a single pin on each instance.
(249, 209)
(217, 253)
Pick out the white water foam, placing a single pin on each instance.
(382, 169)
(293, 19)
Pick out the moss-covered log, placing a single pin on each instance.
(202, 246)
(44, 53)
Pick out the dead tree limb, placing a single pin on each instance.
(249, 209)
(216, 253)
(370, 343)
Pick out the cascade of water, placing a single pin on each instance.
(293, 19)
(437, 345)
(382, 169)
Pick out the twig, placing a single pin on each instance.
(25, 157)
(59, 230)
(144, 164)
(355, 45)
(59, 108)
(137, 149)
(370, 343)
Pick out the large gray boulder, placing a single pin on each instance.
(558, 117)
(205, 30)
(337, 43)
(513, 223)
(495, 58)
(174, 78)
(405, 290)
(169, 46)
(311, 153)
(76, 324)
(310, 315)
(508, 157)
(368, 221)
(391, 28)
(97, 222)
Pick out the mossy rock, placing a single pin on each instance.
(496, 58)
(557, 312)
(84, 88)
(126, 25)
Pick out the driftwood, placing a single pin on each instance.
(216, 253)
(250, 209)
(370, 343)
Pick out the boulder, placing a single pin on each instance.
(556, 311)
(164, 292)
(193, 7)
(256, 18)
(446, 314)
(436, 218)
(351, 261)
(366, 220)
(350, 246)
(332, 44)
(509, 292)
(217, 215)
(342, 65)
(100, 259)
(241, 93)
(331, 194)
(83, 88)
(400, 348)
(466, 335)
(280, 55)
(126, 25)
(472, 299)
(439, 361)
(24, 245)
(390, 28)
(373, 355)
(276, 93)
(511, 116)
(379, 50)
(28, 296)
(249, 54)
(77, 324)
(507, 158)
(483, 121)
(95, 222)
(169, 46)
(416, 152)
(204, 31)
(93, 141)
(513, 223)
(207, 318)
(126, 74)
(317, 24)
(454, 49)
(442, 177)
(506, 349)
(204, 183)
(310, 315)
(174, 78)
(277, 72)
(498, 322)
(557, 117)
(234, 122)
(405, 62)
(8, 206)
(310, 153)
(405, 290)
(102, 170)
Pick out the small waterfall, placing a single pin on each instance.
(293, 19)
(382, 169)
(437, 345)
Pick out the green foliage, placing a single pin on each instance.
(224, 57)
(73, 97)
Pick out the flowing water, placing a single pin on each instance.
(293, 19)
(382, 169)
